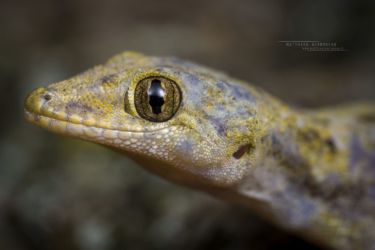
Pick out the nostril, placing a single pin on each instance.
(47, 97)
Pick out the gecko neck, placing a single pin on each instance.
(302, 172)
(300, 153)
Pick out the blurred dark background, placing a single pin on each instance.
(59, 193)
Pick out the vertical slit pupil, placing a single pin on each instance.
(156, 95)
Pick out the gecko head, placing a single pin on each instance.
(180, 120)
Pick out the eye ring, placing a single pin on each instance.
(157, 99)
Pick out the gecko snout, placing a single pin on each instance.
(38, 99)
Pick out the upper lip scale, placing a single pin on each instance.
(34, 115)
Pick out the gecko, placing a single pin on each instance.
(310, 171)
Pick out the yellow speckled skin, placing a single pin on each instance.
(309, 171)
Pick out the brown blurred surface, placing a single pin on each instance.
(58, 193)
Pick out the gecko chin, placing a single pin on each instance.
(160, 151)
(150, 142)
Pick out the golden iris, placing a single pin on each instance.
(157, 99)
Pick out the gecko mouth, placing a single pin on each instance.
(104, 136)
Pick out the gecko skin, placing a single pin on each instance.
(310, 171)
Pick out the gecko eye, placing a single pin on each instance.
(157, 99)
